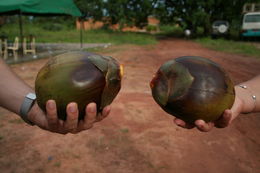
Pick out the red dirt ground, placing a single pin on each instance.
(138, 136)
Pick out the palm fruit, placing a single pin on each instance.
(79, 77)
(192, 88)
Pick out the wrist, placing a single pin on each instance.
(26, 106)
(246, 98)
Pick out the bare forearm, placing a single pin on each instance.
(249, 93)
(13, 89)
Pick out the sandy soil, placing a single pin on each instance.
(138, 136)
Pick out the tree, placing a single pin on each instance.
(130, 12)
(193, 14)
(122, 12)
(189, 14)
(91, 8)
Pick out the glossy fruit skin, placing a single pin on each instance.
(80, 77)
(192, 88)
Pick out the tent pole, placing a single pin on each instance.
(81, 33)
(21, 27)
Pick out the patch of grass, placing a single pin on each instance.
(230, 46)
(57, 164)
(76, 156)
(73, 36)
(116, 37)
(170, 31)
(125, 130)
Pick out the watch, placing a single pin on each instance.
(26, 107)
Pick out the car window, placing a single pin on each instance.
(252, 18)
(218, 23)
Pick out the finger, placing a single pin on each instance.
(61, 123)
(224, 120)
(179, 122)
(71, 122)
(203, 126)
(90, 117)
(51, 116)
(104, 114)
(183, 124)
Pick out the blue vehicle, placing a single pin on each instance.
(251, 25)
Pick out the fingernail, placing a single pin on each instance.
(178, 124)
(108, 109)
(73, 108)
(200, 126)
(92, 109)
(51, 105)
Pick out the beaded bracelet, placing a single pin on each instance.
(252, 95)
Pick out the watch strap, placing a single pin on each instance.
(26, 107)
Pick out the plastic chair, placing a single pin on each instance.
(3, 48)
(29, 47)
(14, 48)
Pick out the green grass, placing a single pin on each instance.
(170, 31)
(66, 35)
(230, 46)
(57, 164)
(124, 130)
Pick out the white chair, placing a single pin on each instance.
(3, 48)
(29, 45)
(14, 48)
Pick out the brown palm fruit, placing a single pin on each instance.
(192, 88)
(79, 77)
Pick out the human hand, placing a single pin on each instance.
(225, 120)
(50, 121)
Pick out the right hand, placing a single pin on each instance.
(50, 121)
(225, 120)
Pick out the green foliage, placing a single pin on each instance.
(53, 27)
(151, 28)
(200, 31)
(235, 28)
(91, 8)
(167, 28)
(122, 12)
(192, 14)
(171, 30)
(188, 14)
(231, 46)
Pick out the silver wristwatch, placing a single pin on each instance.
(26, 107)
